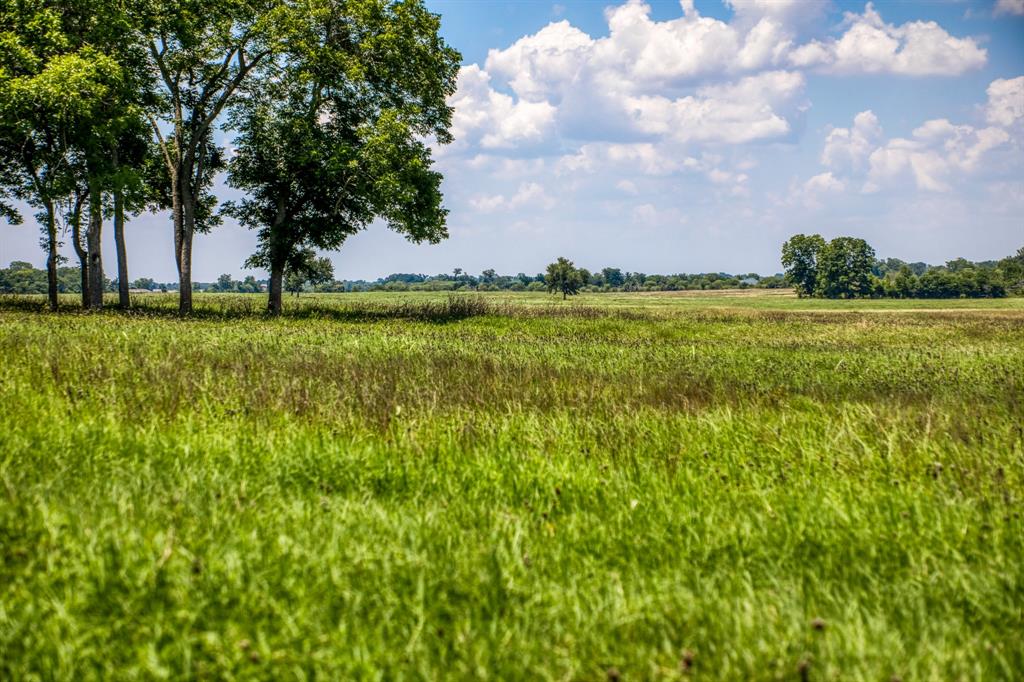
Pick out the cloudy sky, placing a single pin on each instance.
(668, 136)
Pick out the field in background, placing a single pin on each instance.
(654, 486)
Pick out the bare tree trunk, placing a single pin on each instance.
(93, 239)
(274, 303)
(184, 224)
(83, 257)
(122, 251)
(51, 257)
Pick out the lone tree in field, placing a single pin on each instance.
(339, 137)
(800, 258)
(564, 277)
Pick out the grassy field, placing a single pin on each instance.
(397, 486)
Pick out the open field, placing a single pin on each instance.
(402, 486)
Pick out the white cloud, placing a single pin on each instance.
(1005, 101)
(541, 66)
(692, 79)
(627, 186)
(645, 158)
(848, 148)
(734, 113)
(1009, 7)
(648, 215)
(825, 182)
(530, 194)
(788, 12)
(494, 120)
(937, 152)
(869, 45)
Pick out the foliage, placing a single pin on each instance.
(563, 277)
(800, 259)
(337, 138)
(307, 269)
(844, 268)
(22, 278)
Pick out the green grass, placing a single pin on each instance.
(388, 486)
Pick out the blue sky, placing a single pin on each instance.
(668, 136)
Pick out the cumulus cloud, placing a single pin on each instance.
(1009, 7)
(936, 152)
(691, 79)
(627, 186)
(869, 45)
(735, 113)
(530, 194)
(848, 148)
(1005, 101)
(825, 182)
(788, 12)
(644, 158)
(494, 120)
(541, 66)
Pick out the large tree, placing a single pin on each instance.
(70, 90)
(800, 259)
(844, 268)
(203, 52)
(338, 137)
(53, 91)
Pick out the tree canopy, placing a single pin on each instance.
(562, 276)
(337, 138)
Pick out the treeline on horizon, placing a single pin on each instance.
(808, 272)
(846, 267)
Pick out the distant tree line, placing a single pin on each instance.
(842, 268)
(846, 267)
(605, 280)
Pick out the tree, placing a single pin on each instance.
(70, 89)
(800, 259)
(904, 283)
(203, 52)
(1012, 268)
(613, 277)
(338, 137)
(564, 277)
(306, 268)
(488, 276)
(844, 268)
(224, 283)
(52, 91)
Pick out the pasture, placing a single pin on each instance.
(418, 487)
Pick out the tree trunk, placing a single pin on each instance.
(184, 224)
(274, 303)
(93, 240)
(51, 257)
(83, 257)
(122, 251)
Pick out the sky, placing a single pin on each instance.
(695, 136)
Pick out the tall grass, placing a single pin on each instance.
(466, 488)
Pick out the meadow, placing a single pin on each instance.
(737, 486)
